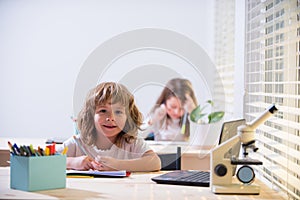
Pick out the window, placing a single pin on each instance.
(268, 77)
(269, 41)
(279, 51)
(279, 88)
(279, 13)
(278, 77)
(279, 25)
(279, 38)
(269, 30)
(278, 139)
(278, 63)
(269, 53)
(269, 6)
(268, 65)
(278, 101)
(269, 18)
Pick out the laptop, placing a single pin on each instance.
(201, 178)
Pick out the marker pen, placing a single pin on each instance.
(183, 126)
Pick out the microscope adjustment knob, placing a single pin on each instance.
(220, 170)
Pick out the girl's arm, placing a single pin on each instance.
(148, 162)
(189, 104)
(158, 114)
(152, 122)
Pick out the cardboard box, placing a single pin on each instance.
(37, 172)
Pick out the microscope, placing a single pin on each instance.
(221, 167)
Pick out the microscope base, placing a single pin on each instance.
(235, 189)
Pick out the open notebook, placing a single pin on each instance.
(95, 173)
(201, 178)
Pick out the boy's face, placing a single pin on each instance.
(110, 119)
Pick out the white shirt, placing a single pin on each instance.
(170, 132)
(132, 150)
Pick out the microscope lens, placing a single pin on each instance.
(245, 174)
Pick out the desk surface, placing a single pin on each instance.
(138, 186)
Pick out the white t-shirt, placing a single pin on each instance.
(132, 150)
(164, 129)
(170, 132)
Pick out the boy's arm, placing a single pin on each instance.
(81, 163)
(148, 162)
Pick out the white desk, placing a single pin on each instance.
(136, 187)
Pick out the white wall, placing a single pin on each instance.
(44, 44)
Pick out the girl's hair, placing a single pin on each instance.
(177, 87)
(109, 92)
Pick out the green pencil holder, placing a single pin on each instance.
(37, 172)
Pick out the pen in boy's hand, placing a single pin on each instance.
(78, 142)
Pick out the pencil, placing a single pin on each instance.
(79, 176)
(81, 147)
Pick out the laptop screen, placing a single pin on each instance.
(229, 129)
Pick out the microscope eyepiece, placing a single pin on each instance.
(263, 117)
(273, 109)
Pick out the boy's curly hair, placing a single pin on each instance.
(113, 93)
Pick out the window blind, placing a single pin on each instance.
(272, 76)
(224, 55)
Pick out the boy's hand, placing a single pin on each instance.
(106, 163)
(83, 163)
